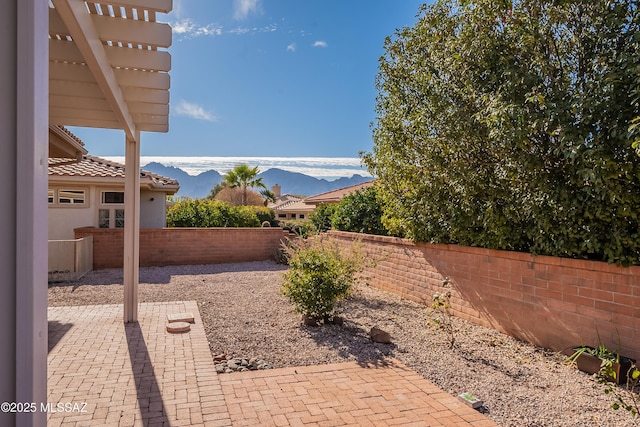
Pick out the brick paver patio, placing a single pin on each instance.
(140, 375)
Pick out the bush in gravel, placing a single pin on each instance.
(442, 316)
(320, 275)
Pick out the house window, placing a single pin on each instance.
(119, 219)
(111, 218)
(52, 196)
(73, 197)
(293, 216)
(113, 197)
(103, 218)
(282, 215)
(301, 216)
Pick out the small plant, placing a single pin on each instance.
(611, 366)
(320, 275)
(601, 352)
(625, 397)
(442, 316)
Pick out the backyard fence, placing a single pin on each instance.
(70, 259)
(552, 302)
(185, 246)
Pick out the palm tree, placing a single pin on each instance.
(243, 176)
(269, 196)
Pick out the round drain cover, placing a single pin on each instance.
(178, 327)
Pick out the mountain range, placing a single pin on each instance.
(291, 182)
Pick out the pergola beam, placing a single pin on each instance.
(80, 26)
(124, 77)
(163, 6)
(119, 57)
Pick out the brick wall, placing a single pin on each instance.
(183, 246)
(552, 302)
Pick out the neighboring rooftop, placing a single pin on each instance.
(284, 201)
(96, 167)
(63, 143)
(336, 195)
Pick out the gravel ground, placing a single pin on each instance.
(245, 316)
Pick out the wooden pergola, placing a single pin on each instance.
(107, 69)
(66, 62)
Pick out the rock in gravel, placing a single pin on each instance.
(226, 364)
(311, 320)
(378, 335)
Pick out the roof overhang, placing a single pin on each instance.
(146, 183)
(106, 69)
(63, 144)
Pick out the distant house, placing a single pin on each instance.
(289, 207)
(335, 196)
(90, 193)
(292, 209)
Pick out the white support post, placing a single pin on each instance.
(30, 186)
(131, 227)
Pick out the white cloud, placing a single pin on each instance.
(244, 30)
(189, 29)
(242, 8)
(194, 111)
(291, 47)
(320, 43)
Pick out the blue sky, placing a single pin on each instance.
(270, 78)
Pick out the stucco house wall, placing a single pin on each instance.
(64, 218)
(153, 208)
(89, 180)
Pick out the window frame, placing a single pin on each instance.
(102, 198)
(54, 194)
(115, 217)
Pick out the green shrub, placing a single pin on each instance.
(301, 228)
(265, 214)
(319, 275)
(321, 216)
(359, 212)
(210, 213)
(243, 216)
(508, 130)
(187, 213)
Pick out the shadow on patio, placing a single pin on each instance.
(152, 409)
(134, 374)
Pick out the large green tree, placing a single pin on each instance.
(504, 124)
(242, 176)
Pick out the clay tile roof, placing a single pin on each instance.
(96, 167)
(284, 202)
(69, 133)
(294, 206)
(336, 195)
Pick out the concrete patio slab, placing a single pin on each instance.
(108, 373)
